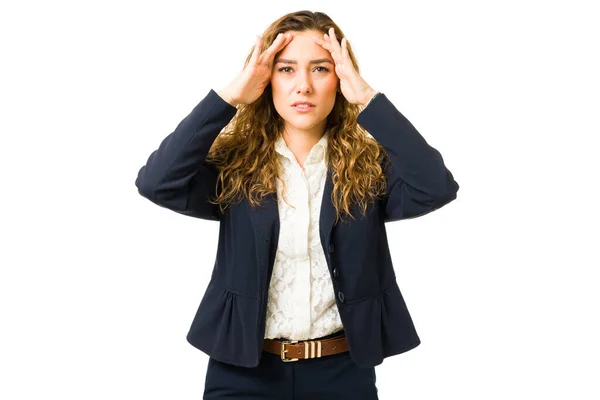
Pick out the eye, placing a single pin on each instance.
(284, 69)
(323, 69)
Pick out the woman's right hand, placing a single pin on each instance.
(252, 81)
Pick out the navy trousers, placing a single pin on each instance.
(327, 378)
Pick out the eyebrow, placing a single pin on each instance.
(318, 61)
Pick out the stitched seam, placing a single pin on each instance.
(240, 294)
(370, 297)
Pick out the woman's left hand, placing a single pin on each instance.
(353, 86)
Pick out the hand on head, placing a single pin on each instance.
(252, 81)
(353, 86)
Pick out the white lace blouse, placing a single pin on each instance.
(301, 301)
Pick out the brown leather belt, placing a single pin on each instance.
(294, 350)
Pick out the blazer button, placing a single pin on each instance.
(336, 273)
(331, 248)
(341, 296)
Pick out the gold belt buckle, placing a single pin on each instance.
(284, 351)
(312, 349)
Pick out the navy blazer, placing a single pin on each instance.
(230, 322)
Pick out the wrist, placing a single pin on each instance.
(224, 94)
(369, 95)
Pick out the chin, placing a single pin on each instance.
(303, 122)
(300, 126)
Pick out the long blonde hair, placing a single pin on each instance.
(244, 152)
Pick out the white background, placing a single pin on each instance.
(99, 286)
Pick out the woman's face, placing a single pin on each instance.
(304, 71)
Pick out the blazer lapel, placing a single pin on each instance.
(327, 217)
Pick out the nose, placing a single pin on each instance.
(303, 83)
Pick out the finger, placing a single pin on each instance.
(322, 43)
(265, 54)
(256, 51)
(276, 47)
(334, 42)
(279, 43)
(287, 38)
(345, 56)
(334, 47)
(345, 53)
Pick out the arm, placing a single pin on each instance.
(175, 175)
(418, 180)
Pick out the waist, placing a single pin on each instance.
(294, 350)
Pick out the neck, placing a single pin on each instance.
(302, 141)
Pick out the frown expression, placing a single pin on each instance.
(304, 72)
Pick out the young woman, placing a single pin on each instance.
(302, 162)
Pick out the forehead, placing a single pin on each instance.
(303, 47)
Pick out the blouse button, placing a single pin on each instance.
(341, 296)
(336, 273)
(331, 248)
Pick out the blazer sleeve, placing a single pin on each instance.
(418, 182)
(175, 175)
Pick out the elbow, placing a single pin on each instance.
(146, 187)
(446, 192)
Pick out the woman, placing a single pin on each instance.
(302, 163)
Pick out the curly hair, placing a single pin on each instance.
(244, 152)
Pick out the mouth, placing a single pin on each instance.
(303, 106)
